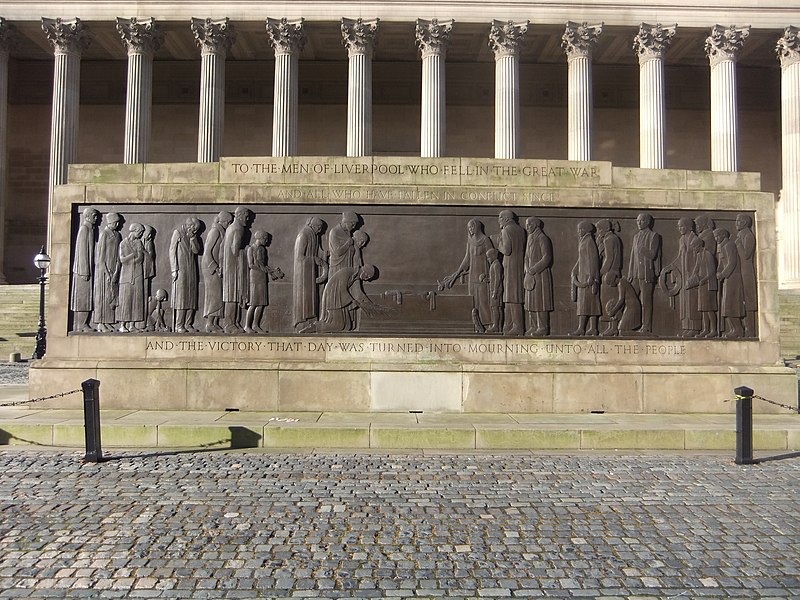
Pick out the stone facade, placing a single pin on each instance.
(556, 110)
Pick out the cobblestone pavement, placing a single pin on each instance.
(14, 373)
(343, 525)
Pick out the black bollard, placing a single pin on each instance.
(744, 425)
(91, 420)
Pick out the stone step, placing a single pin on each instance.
(778, 433)
(19, 319)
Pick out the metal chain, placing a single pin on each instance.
(786, 406)
(32, 400)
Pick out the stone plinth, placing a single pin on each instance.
(372, 368)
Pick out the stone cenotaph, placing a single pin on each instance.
(397, 284)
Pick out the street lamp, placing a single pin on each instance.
(42, 261)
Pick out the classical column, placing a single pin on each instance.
(359, 38)
(432, 39)
(578, 42)
(214, 38)
(505, 39)
(788, 50)
(142, 38)
(722, 47)
(7, 38)
(650, 45)
(287, 38)
(69, 39)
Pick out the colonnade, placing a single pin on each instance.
(215, 38)
(142, 37)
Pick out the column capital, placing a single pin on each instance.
(579, 39)
(505, 37)
(213, 36)
(141, 36)
(433, 36)
(359, 36)
(285, 36)
(652, 41)
(66, 37)
(8, 35)
(788, 47)
(725, 43)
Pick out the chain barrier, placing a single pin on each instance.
(786, 406)
(32, 400)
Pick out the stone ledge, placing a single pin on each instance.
(214, 430)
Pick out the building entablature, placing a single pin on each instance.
(398, 19)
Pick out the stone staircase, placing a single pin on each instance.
(19, 319)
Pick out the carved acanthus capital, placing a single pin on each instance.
(505, 37)
(66, 37)
(433, 36)
(213, 37)
(140, 35)
(725, 43)
(788, 47)
(8, 35)
(359, 36)
(285, 36)
(579, 39)
(652, 41)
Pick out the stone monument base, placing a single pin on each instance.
(355, 374)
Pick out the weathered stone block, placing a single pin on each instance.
(317, 437)
(424, 391)
(240, 389)
(535, 439)
(607, 391)
(655, 439)
(129, 436)
(189, 173)
(105, 173)
(714, 180)
(18, 434)
(518, 392)
(162, 388)
(323, 390)
(209, 436)
(669, 179)
(424, 437)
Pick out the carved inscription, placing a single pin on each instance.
(416, 350)
(309, 168)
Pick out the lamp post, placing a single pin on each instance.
(42, 261)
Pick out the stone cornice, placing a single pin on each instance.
(788, 47)
(505, 37)
(774, 14)
(725, 43)
(140, 35)
(213, 36)
(66, 37)
(285, 36)
(433, 36)
(359, 36)
(579, 39)
(652, 41)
